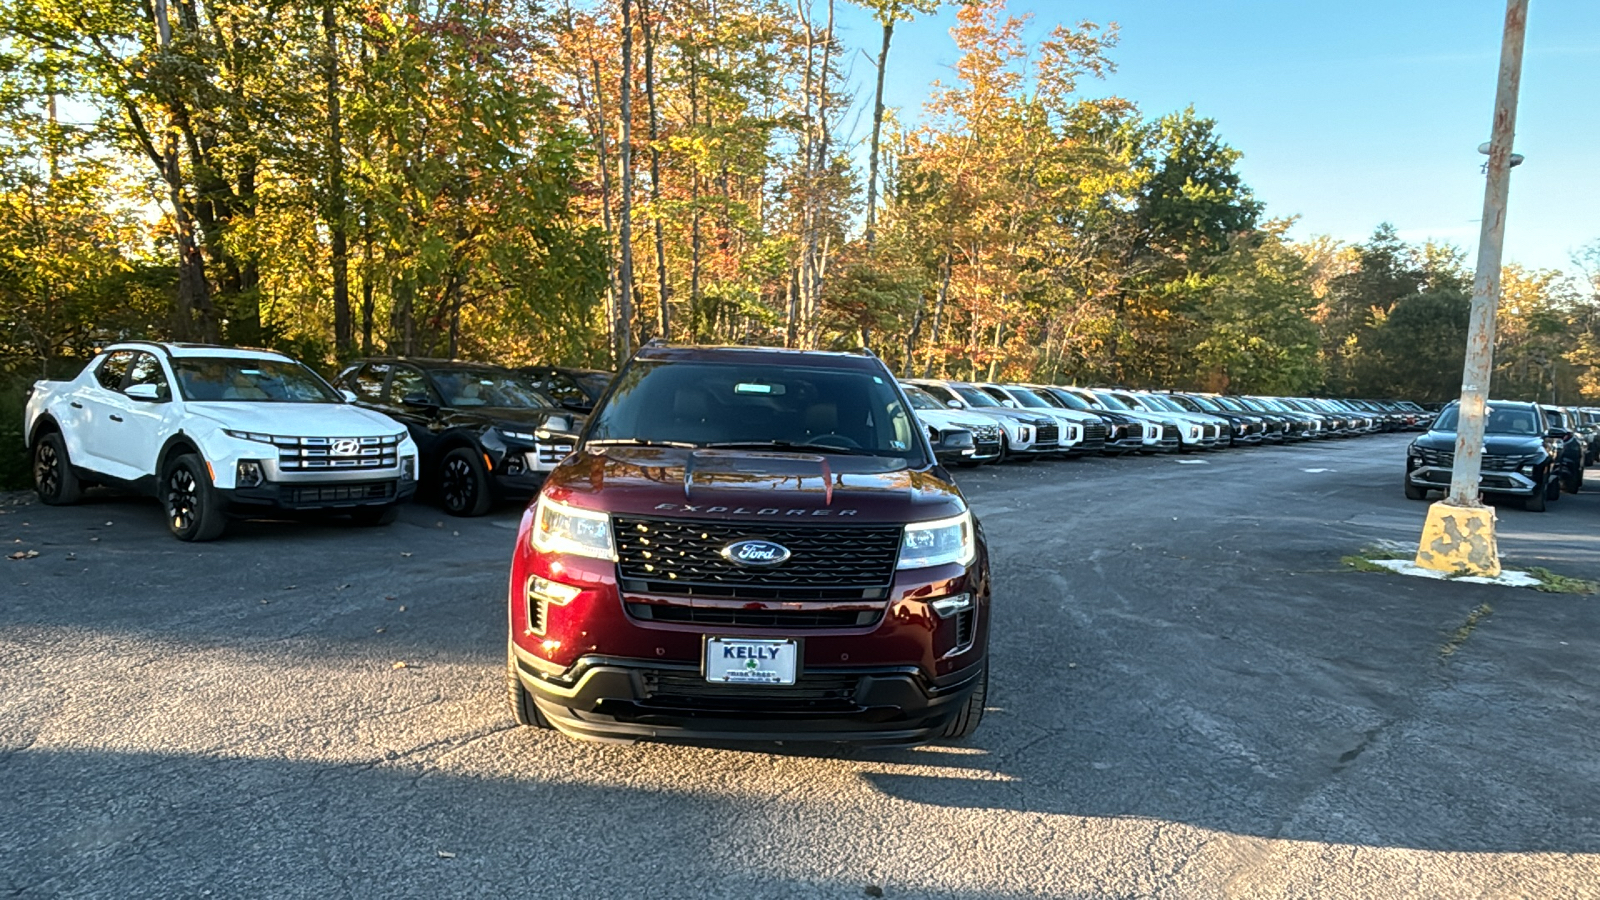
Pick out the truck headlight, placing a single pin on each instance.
(559, 528)
(939, 542)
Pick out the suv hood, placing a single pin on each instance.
(298, 419)
(744, 484)
(1494, 444)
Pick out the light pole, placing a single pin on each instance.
(1459, 533)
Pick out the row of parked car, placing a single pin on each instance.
(213, 431)
(219, 431)
(1024, 421)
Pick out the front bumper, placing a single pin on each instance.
(1437, 478)
(311, 495)
(608, 698)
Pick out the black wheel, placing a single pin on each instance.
(374, 516)
(53, 479)
(523, 709)
(194, 512)
(1005, 448)
(1552, 488)
(1413, 492)
(463, 483)
(966, 721)
(1574, 480)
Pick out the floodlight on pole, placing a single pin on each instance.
(1459, 534)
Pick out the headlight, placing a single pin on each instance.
(248, 436)
(558, 528)
(936, 543)
(517, 435)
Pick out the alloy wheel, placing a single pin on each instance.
(457, 484)
(47, 470)
(181, 499)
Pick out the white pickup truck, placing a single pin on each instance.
(211, 431)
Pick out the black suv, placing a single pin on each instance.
(1520, 458)
(482, 430)
(576, 389)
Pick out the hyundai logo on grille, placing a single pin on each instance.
(755, 553)
(346, 447)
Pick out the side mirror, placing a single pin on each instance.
(577, 405)
(1009, 404)
(348, 395)
(1559, 434)
(150, 393)
(953, 404)
(419, 401)
(957, 441)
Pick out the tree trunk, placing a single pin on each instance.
(877, 129)
(938, 315)
(194, 319)
(343, 327)
(624, 323)
(663, 290)
(694, 198)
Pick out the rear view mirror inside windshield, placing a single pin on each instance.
(752, 387)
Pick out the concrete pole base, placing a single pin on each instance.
(1459, 539)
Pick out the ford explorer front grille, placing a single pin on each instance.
(683, 557)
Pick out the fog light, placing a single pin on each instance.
(408, 468)
(250, 474)
(949, 606)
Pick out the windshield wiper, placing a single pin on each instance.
(639, 442)
(788, 445)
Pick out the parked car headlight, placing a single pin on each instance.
(939, 542)
(248, 436)
(559, 528)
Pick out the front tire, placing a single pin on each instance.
(1413, 492)
(464, 483)
(1536, 501)
(966, 721)
(523, 710)
(53, 478)
(194, 511)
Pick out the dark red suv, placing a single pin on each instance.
(751, 544)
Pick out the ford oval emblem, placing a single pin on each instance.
(755, 553)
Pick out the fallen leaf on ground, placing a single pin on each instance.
(398, 665)
(446, 854)
(403, 553)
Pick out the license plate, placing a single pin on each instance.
(747, 661)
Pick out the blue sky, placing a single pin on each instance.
(1348, 113)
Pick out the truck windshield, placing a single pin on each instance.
(1502, 420)
(820, 409)
(210, 379)
(464, 386)
(976, 398)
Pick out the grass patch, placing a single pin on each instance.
(1551, 583)
(1460, 635)
(1362, 564)
(1363, 560)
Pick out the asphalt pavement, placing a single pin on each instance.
(1191, 697)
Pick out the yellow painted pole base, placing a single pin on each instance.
(1459, 539)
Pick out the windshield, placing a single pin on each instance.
(463, 387)
(1502, 420)
(975, 397)
(826, 410)
(1112, 402)
(919, 398)
(208, 379)
(1069, 400)
(1189, 403)
(1029, 398)
(1160, 402)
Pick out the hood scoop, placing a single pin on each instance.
(710, 474)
